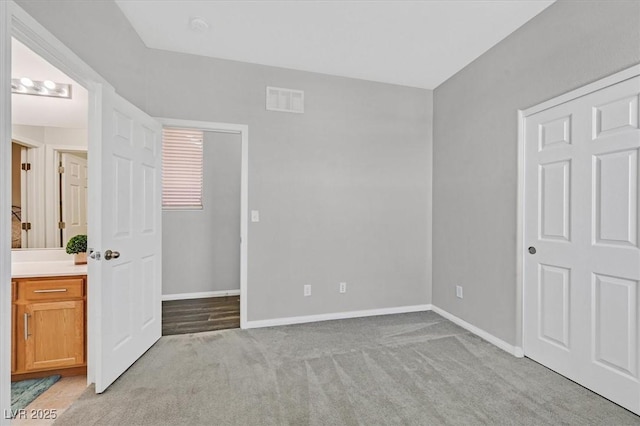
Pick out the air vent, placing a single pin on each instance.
(285, 100)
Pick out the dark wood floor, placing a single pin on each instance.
(197, 315)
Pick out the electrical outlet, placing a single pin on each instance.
(343, 287)
(307, 290)
(459, 291)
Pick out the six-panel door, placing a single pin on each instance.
(581, 215)
(129, 201)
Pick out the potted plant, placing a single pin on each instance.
(77, 246)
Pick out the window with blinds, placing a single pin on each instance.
(182, 163)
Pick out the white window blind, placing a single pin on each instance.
(182, 162)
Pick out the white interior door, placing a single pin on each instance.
(128, 194)
(73, 193)
(581, 217)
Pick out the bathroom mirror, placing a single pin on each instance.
(48, 155)
(48, 192)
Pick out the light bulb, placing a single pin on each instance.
(49, 84)
(26, 82)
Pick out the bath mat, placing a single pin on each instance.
(25, 391)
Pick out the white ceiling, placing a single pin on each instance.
(412, 43)
(40, 110)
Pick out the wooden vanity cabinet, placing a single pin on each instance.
(49, 327)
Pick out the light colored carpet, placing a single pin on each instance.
(409, 369)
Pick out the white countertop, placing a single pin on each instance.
(46, 269)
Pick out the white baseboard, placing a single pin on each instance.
(336, 316)
(201, 295)
(515, 351)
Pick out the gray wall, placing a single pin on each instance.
(475, 143)
(201, 248)
(98, 32)
(344, 190)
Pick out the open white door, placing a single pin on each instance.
(73, 192)
(127, 272)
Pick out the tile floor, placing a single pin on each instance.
(58, 397)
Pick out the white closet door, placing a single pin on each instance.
(581, 220)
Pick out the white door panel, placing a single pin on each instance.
(553, 293)
(555, 205)
(615, 186)
(130, 300)
(581, 215)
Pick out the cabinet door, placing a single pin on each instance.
(55, 334)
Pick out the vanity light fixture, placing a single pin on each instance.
(26, 82)
(26, 86)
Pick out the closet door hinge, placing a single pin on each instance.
(60, 169)
(25, 166)
(61, 225)
(26, 226)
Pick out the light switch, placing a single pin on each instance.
(255, 216)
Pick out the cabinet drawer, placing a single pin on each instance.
(52, 289)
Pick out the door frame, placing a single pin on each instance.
(243, 131)
(607, 81)
(19, 24)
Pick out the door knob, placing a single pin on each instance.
(532, 250)
(108, 255)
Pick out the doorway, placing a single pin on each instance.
(205, 235)
(49, 126)
(581, 253)
(201, 206)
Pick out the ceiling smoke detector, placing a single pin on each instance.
(198, 25)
